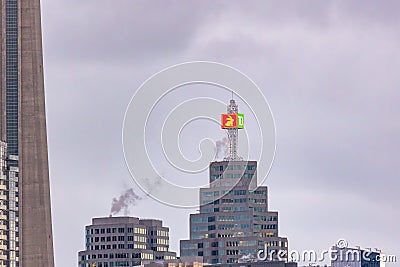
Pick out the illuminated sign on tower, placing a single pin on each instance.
(232, 121)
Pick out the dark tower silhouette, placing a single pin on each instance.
(23, 128)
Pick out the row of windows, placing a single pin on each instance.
(235, 209)
(220, 253)
(111, 264)
(107, 256)
(265, 218)
(233, 167)
(264, 226)
(222, 235)
(276, 244)
(116, 246)
(243, 243)
(231, 176)
(121, 230)
(230, 200)
(159, 233)
(257, 201)
(258, 209)
(203, 228)
(160, 241)
(267, 234)
(144, 255)
(229, 193)
(223, 209)
(116, 238)
(202, 219)
(205, 219)
(233, 226)
(234, 218)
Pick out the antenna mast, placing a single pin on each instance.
(232, 108)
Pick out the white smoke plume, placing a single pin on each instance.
(152, 184)
(222, 148)
(127, 199)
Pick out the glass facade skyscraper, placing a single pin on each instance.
(11, 76)
(234, 222)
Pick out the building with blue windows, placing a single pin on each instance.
(234, 221)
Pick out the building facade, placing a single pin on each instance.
(234, 222)
(9, 206)
(25, 219)
(124, 241)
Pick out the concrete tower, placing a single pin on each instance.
(23, 128)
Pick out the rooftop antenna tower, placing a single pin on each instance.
(232, 122)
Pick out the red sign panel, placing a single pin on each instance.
(229, 121)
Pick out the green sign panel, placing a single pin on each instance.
(240, 123)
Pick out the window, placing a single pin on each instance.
(199, 228)
(240, 200)
(217, 168)
(251, 167)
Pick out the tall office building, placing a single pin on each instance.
(234, 222)
(125, 241)
(26, 238)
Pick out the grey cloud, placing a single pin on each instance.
(329, 71)
(105, 32)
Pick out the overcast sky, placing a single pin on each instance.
(329, 70)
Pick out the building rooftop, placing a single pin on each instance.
(114, 220)
(125, 219)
